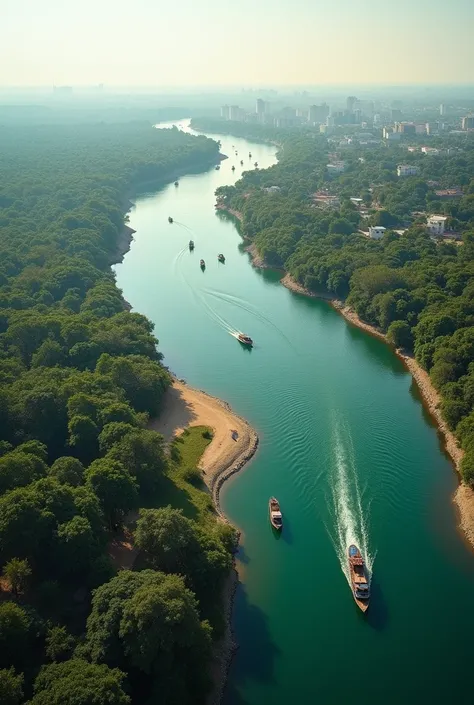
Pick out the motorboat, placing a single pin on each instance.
(245, 339)
(202, 264)
(170, 219)
(176, 183)
(256, 164)
(274, 512)
(217, 167)
(191, 245)
(359, 578)
(221, 257)
(241, 162)
(233, 167)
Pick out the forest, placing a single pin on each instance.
(416, 288)
(80, 376)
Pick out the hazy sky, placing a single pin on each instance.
(250, 42)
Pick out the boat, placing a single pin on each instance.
(202, 264)
(359, 578)
(176, 183)
(274, 511)
(241, 162)
(256, 164)
(250, 155)
(191, 245)
(221, 258)
(217, 167)
(245, 339)
(233, 167)
(170, 219)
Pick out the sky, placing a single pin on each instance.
(235, 42)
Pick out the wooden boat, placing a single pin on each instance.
(221, 258)
(191, 245)
(202, 264)
(276, 519)
(176, 183)
(359, 578)
(170, 219)
(245, 339)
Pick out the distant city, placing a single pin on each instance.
(366, 114)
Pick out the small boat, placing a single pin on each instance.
(170, 219)
(359, 578)
(245, 339)
(202, 264)
(221, 258)
(256, 164)
(241, 162)
(217, 167)
(236, 152)
(250, 155)
(233, 167)
(176, 183)
(276, 519)
(191, 245)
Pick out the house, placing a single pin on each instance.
(449, 193)
(407, 170)
(336, 167)
(376, 232)
(436, 224)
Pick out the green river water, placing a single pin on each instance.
(345, 445)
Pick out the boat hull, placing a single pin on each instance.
(273, 506)
(358, 574)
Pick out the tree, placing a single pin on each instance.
(18, 469)
(68, 471)
(142, 453)
(114, 486)
(77, 682)
(399, 334)
(83, 433)
(112, 433)
(18, 574)
(14, 634)
(77, 547)
(59, 644)
(11, 687)
(149, 621)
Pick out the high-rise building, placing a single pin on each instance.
(442, 109)
(350, 103)
(260, 107)
(468, 122)
(318, 113)
(225, 112)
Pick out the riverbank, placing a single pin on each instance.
(464, 495)
(233, 444)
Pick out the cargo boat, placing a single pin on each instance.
(359, 578)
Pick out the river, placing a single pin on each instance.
(345, 445)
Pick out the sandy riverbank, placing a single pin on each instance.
(233, 444)
(234, 441)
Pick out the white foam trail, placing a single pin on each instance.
(350, 517)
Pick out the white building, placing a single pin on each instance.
(376, 232)
(336, 167)
(436, 224)
(407, 170)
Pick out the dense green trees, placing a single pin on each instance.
(415, 288)
(80, 375)
(148, 620)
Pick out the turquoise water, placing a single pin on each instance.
(345, 445)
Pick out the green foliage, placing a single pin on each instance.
(149, 621)
(14, 634)
(11, 687)
(114, 486)
(399, 334)
(142, 453)
(59, 644)
(77, 682)
(68, 471)
(18, 574)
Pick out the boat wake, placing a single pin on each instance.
(350, 520)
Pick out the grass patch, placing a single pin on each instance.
(185, 488)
